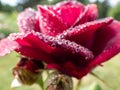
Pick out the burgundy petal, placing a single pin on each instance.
(87, 13)
(106, 43)
(69, 15)
(28, 20)
(83, 33)
(68, 12)
(46, 45)
(70, 69)
(6, 46)
(50, 24)
(90, 13)
(28, 47)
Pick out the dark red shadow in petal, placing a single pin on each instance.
(43, 47)
(106, 42)
(70, 68)
(31, 46)
(84, 33)
(90, 14)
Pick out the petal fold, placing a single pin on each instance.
(90, 14)
(7, 45)
(84, 33)
(28, 20)
(50, 24)
(68, 12)
(106, 43)
(46, 44)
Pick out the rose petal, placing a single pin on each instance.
(87, 13)
(71, 69)
(105, 55)
(46, 45)
(69, 15)
(50, 24)
(6, 46)
(90, 14)
(106, 43)
(68, 11)
(27, 20)
(28, 47)
(83, 33)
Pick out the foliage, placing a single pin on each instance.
(84, 1)
(8, 23)
(103, 8)
(6, 8)
(32, 3)
(115, 12)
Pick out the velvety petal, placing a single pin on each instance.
(90, 14)
(50, 24)
(68, 12)
(106, 42)
(28, 20)
(84, 33)
(87, 13)
(28, 47)
(70, 69)
(75, 59)
(6, 46)
(48, 47)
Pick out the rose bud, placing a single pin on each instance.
(58, 81)
(28, 71)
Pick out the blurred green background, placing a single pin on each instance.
(110, 73)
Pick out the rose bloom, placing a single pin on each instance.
(67, 36)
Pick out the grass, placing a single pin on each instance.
(8, 23)
(109, 72)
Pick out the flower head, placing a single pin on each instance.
(67, 36)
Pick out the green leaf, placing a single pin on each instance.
(40, 82)
(95, 86)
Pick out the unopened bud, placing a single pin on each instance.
(57, 81)
(25, 77)
(27, 72)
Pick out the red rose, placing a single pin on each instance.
(66, 36)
